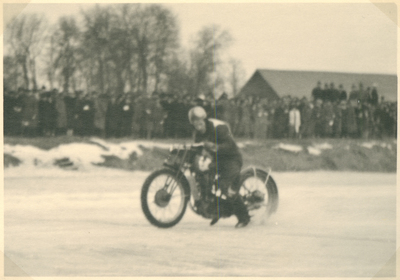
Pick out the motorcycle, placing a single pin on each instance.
(187, 178)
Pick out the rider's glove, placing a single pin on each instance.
(231, 193)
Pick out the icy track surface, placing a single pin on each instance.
(70, 223)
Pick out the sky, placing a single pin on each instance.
(337, 37)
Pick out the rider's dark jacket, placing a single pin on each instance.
(218, 132)
(227, 157)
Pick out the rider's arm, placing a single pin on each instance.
(224, 141)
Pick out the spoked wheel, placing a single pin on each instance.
(259, 192)
(164, 198)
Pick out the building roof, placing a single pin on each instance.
(266, 82)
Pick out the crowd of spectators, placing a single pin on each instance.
(328, 112)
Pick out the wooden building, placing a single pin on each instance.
(278, 83)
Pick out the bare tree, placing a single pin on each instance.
(154, 35)
(66, 39)
(49, 69)
(11, 73)
(96, 37)
(178, 79)
(236, 76)
(24, 36)
(164, 36)
(205, 56)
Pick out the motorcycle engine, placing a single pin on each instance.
(202, 162)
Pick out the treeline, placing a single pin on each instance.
(117, 48)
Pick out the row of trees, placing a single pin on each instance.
(117, 48)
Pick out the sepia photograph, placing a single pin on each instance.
(200, 139)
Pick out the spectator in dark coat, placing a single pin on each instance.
(342, 93)
(167, 104)
(317, 92)
(338, 120)
(47, 114)
(261, 122)
(126, 116)
(85, 115)
(112, 117)
(374, 96)
(328, 117)
(30, 114)
(15, 113)
(157, 119)
(317, 115)
(349, 126)
(100, 110)
(363, 120)
(7, 111)
(244, 128)
(61, 111)
(353, 93)
(307, 128)
(325, 95)
(70, 106)
(223, 111)
(334, 94)
(281, 120)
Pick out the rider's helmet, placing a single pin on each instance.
(197, 113)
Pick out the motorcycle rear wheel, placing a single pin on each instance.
(164, 198)
(259, 192)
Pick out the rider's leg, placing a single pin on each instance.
(229, 183)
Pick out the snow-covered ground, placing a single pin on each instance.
(89, 223)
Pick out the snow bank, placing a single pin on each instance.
(324, 146)
(316, 149)
(78, 155)
(370, 145)
(289, 148)
(313, 151)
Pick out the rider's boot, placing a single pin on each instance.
(214, 221)
(240, 211)
(224, 210)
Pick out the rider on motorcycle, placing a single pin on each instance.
(217, 137)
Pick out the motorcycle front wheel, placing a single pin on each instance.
(164, 198)
(259, 192)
